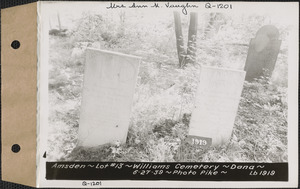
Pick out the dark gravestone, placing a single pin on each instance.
(263, 52)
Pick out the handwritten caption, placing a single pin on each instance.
(91, 183)
(183, 6)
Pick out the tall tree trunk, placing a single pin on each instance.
(179, 39)
(191, 47)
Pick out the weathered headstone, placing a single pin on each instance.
(216, 105)
(108, 89)
(263, 52)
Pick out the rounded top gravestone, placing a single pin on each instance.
(262, 53)
(264, 36)
(269, 30)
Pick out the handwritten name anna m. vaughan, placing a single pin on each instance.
(184, 7)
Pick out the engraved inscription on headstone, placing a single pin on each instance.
(263, 52)
(216, 104)
(108, 89)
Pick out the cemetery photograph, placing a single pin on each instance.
(158, 85)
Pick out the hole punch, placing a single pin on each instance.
(15, 148)
(15, 44)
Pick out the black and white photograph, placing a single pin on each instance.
(167, 82)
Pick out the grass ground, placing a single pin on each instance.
(161, 112)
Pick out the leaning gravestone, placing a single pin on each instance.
(108, 89)
(216, 106)
(263, 52)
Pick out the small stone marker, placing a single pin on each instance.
(108, 89)
(263, 52)
(216, 106)
(198, 141)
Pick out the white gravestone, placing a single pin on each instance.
(108, 89)
(216, 105)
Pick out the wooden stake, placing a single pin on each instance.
(59, 24)
(50, 25)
